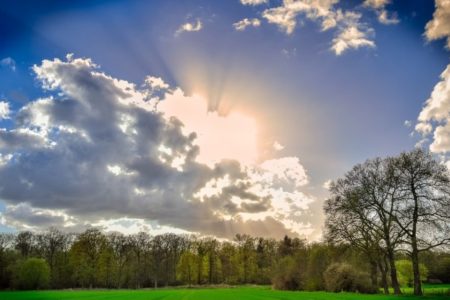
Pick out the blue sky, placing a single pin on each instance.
(327, 109)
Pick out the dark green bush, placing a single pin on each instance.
(342, 277)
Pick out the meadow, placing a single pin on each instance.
(440, 292)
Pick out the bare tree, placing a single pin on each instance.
(361, 211)
(423, 206)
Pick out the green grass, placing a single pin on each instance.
(238, 293)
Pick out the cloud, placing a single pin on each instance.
(384, 18)
(285, 16)
(237, 131)
(351, 33)
(190, 27)
(156, 83)
(8, 62)
(380, 8)
(407, 123)
(277, 146)
(4, 110)
(327, 184)
(435, 115)
(107, 152)
(244, 23)
(254, 2)
(439, 26)
(25, 217)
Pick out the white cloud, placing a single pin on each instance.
(254, 2)
(156, 83)
(377, 4)
(190, 27)
(351, 33)
(235, 130)
(285, 16)
(435, 115)
(8, 62)
(351, 37)
(384, 18)
(242, 24)
(277, 146)
(380, 8)
(4, 110)
(441, 138)
(407, 123)
(97, 152)
(439, 26)
(327, 184)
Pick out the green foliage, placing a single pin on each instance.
(187, 271)
(344, 277)
(97, 260)
(405, 272)
(288, 275)
(32, 274)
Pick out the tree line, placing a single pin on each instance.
(386, 226)
(94, 259)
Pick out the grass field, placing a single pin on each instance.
(253, 293)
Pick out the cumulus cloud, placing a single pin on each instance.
(197, 25)
(101, 150)
(254, 2)
(9, 63)
(285, 16)
(439, 26)
(435, 115)
(277, 146)
(4, 110)
(380, 8)
(244, 23)
(351, 33)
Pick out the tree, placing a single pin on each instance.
(361, 211)
(246, 254)
(85, 255)
(51, 244)
(6, 241)
(187, 270)
(24, 243)
(423, 210)
(32, 274)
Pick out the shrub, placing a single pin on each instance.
(32, 274)
(441, 270)
(287, 275)
(405, 272)
(343, 277)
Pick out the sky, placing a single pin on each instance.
(210, 117)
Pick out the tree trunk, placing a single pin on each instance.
(394, 279)
(374, 273)
(383, 270)
(416, 270)
(415, 251)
